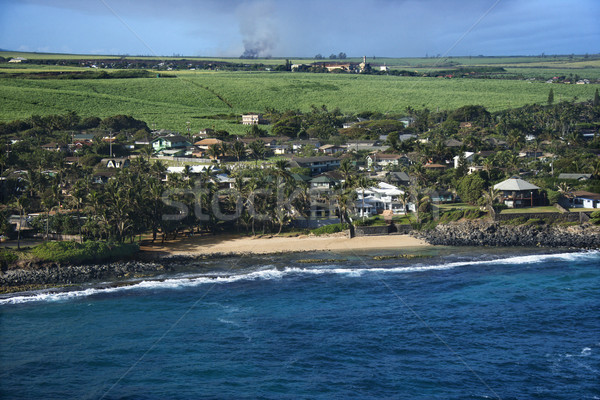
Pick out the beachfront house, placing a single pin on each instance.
(517, 193)
(583, 199)
(380, 198)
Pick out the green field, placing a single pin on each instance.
(169, 103)
(196, 95)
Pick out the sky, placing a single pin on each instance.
(302, 28)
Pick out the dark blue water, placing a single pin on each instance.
(519, 327)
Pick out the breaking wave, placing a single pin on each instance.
(272, 273)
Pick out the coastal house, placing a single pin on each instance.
(583, 199)
(575, 177)
(323, 182)
(170, 142)
(383, 160)
(398, 178)
(380, 198)
(316, 165)
(517, 192)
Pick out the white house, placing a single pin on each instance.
(379, 198)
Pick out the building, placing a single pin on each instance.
(380, 198)
(383, 160)
(54, 147)
(120, 162)
(331, 149)
(252, 119)
(205, 144)
(519, 193)
(577, 177)
(583, 199)
(170, 142)
(317, 165)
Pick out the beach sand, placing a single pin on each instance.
(226, 244)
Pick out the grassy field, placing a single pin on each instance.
(193, 95)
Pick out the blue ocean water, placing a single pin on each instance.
(456, 326)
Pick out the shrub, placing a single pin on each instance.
(7, 257)
(328, 229)
(74, 252)
(535, 221)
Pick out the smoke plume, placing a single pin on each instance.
(257, 26)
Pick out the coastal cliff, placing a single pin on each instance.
(485, 233)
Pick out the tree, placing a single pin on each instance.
(550, 97)
(20, 203)
(491, 197)
(319, 56)
(470, 188)
(238, 150)
(257, 150)
(332, 56)
(596, 101)
(342, 55)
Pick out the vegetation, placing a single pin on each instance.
(77, 253)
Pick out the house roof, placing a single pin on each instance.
(515, 184)
(434, 166)
(453, 143)
(402, 176)
(172, 139)
(383, 156)
(208, 142)
(575, 176)
(322, 179)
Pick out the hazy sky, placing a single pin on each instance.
(394, 28)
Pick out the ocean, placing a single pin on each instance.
(458, 324)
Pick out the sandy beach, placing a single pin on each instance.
(275, 244)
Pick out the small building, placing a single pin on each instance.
(517, 192)
(252, 119)
(323, 182)
(207, 132)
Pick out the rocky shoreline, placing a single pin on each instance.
(485, 233)
(33, 276)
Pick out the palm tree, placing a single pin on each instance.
(147, 152)
(214, 151)
(347, 170)
(363, 182)
(345, 203)
(257, 149)
(238, 150)
(20, 204)
(491, 196)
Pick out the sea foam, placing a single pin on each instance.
(270, 272)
